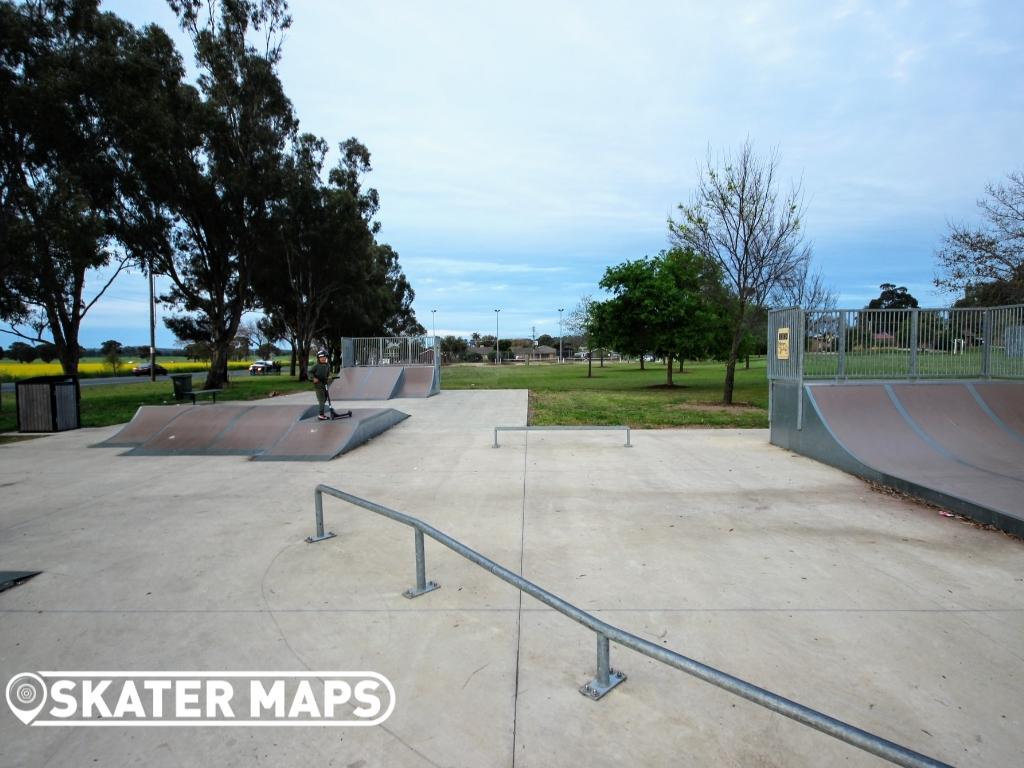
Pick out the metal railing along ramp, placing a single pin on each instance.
(607, 678)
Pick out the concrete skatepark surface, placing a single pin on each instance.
(770, 566)
(956, 443)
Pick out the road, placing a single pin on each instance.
(8, 386)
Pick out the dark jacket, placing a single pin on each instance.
(320, 374)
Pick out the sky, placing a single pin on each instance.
(520, 149)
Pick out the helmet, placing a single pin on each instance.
(321, 353)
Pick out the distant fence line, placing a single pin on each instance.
(896, 343)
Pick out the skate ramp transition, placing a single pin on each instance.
(263, 432)
(958, 444)
(385, 382)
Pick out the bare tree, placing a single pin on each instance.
(805, 289)
(737, 217)
(992, 253)
(580, 322)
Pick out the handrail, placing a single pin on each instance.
(606, 677)
(558, 428)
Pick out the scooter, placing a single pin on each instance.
(334, 414)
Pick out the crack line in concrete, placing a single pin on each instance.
(519, 614)
(590, 609)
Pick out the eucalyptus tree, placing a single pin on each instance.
(219, 173)
(72, 79)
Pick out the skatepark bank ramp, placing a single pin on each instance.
(262, 432)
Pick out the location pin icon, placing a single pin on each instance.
(26, 695)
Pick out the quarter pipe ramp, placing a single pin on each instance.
(958, 444)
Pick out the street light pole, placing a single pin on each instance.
(497, 337)
(560, 311)
(433, 322)
(152, 324)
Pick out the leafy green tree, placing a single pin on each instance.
(47, 352)
(22, 352)
(670, 305)
(111, 345)
(892, 297)
(994, 293)
(453, 348)
(70, 83)
(215, 173)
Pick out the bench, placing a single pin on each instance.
(193, 392)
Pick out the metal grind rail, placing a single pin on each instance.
(558, 429)
(607, 678)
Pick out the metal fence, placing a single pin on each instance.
(897, 343)
(395, 350)
(607, 678)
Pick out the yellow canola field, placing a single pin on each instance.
(11, 371)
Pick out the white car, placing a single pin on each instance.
(264, 366)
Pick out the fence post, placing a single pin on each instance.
(913, 341)
(841, 367)
(986, 341)
(797, 350)
(422, 585)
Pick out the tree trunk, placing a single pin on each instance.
(291, 369)
(747, 366)
(303, 354)
(65, 333)
(641, 362)
(590, 364)
(668, 369)
(217, 376)
(68, 360)
(680, 363)
(730, 366)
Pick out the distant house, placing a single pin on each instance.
(541, 352)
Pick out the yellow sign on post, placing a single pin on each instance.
(782, 344)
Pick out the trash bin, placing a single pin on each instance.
(48, 403)
(182, 385)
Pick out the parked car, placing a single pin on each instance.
(264, 366)
(142, 369)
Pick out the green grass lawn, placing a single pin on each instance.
(116, 403)
(620, 393)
